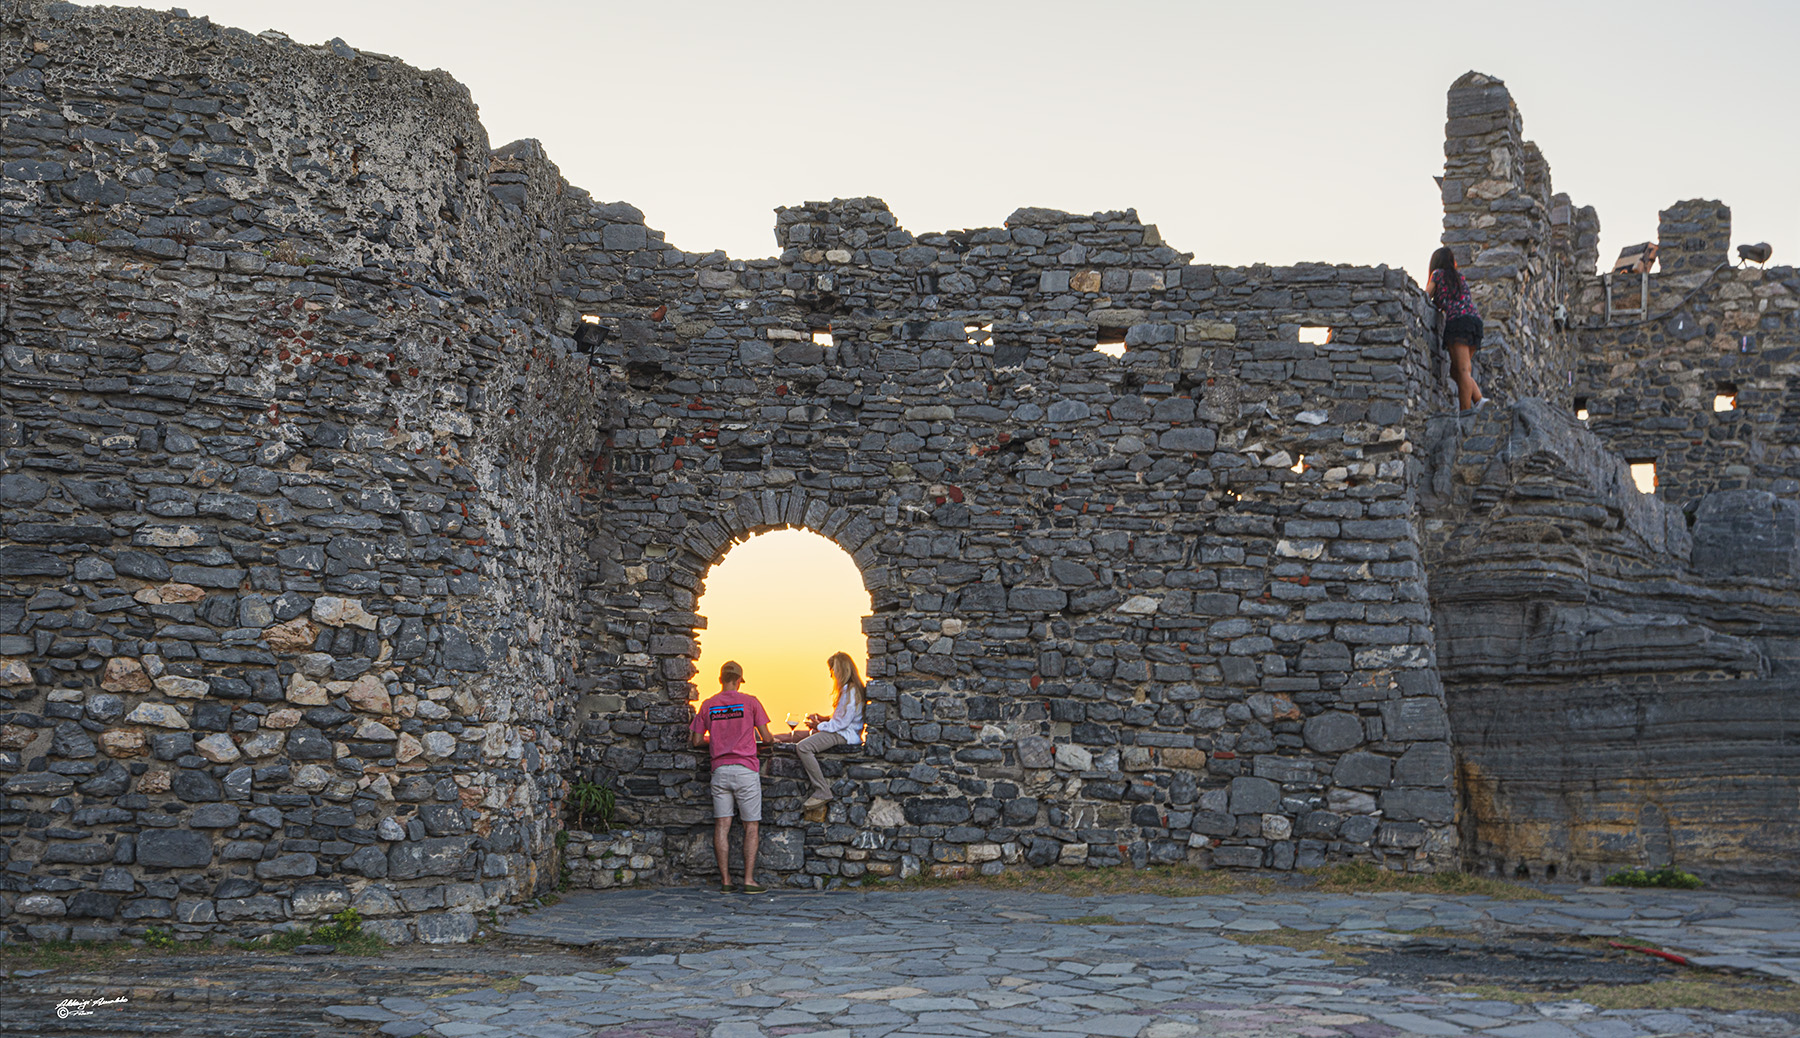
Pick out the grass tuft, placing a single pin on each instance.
(344, 932)
(1705, 990)
(1667, 876)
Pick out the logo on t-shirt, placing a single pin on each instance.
(725, 711)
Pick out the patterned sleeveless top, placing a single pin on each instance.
(1451, 296)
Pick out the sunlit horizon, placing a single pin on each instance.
(780, 604)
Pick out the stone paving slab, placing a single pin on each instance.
(974, 962)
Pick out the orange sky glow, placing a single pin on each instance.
(780, 604)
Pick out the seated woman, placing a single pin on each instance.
(842, 728)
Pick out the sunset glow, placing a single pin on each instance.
(780, 604)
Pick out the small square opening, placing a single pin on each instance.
(1317, 334)
(1581, 410)
(1643, 473)
(979, 334)
(1726, 397)
(1110, 341)
(822, 337)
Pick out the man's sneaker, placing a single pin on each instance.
(814, 801)
(753, 888)
(726, 888)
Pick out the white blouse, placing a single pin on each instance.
(846, 720)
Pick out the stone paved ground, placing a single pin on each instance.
(973, 962)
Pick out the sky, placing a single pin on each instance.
(1271, 132)
(780, 604)
(1248, 132)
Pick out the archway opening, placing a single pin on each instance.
(780, 604)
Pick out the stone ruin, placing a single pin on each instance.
(359, 483)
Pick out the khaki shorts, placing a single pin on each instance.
(735, 786)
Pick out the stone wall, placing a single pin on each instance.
(1714, 329)
(1516, 242)
(359, 483)
(283, 609)
(1118, 618)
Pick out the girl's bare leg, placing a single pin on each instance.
(1462, 361)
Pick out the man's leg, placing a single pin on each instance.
(722, 848)
(751, 835)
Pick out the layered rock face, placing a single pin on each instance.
(1621, 690)
(282, 616)
(1617, 663)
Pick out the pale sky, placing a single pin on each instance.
(1249, 132)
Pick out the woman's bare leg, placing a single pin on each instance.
(1462, 362)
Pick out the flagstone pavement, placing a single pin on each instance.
(971, 962)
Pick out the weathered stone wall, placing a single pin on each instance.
(1713, 329)
(1112, 622)
(1516, 242)
(283, 603)
(327, 554)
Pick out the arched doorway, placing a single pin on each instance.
(780, 603)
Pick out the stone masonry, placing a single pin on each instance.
(358, 483)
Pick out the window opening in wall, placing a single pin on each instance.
(1726, 399)
(1111, 341)
(1581, 411)
(1299, 465)
(822, 337)
(1318, 334)
(590, 333)
(780, 604)
(979, 334)
(1643, 473)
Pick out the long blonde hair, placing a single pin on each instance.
(844, 675)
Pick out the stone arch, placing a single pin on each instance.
(708, 543)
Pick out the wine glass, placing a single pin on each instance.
(792, 724)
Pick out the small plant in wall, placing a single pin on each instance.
(157, 937)
(591, 803)
(1667, 876)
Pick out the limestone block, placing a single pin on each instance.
(305, 692)
(375, 730)
(340, 612)
(367, 693)
(217, 748)
(122, 742)
(885, 814)
(122, 674)
(159, 714)
(294, 635)
(263, 744)
(182, 688)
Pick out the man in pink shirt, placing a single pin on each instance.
(729, 723)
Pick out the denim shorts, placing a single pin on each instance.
(737, 790)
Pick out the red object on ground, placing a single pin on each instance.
(1671, 956)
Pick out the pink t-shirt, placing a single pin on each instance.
(732, 717)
